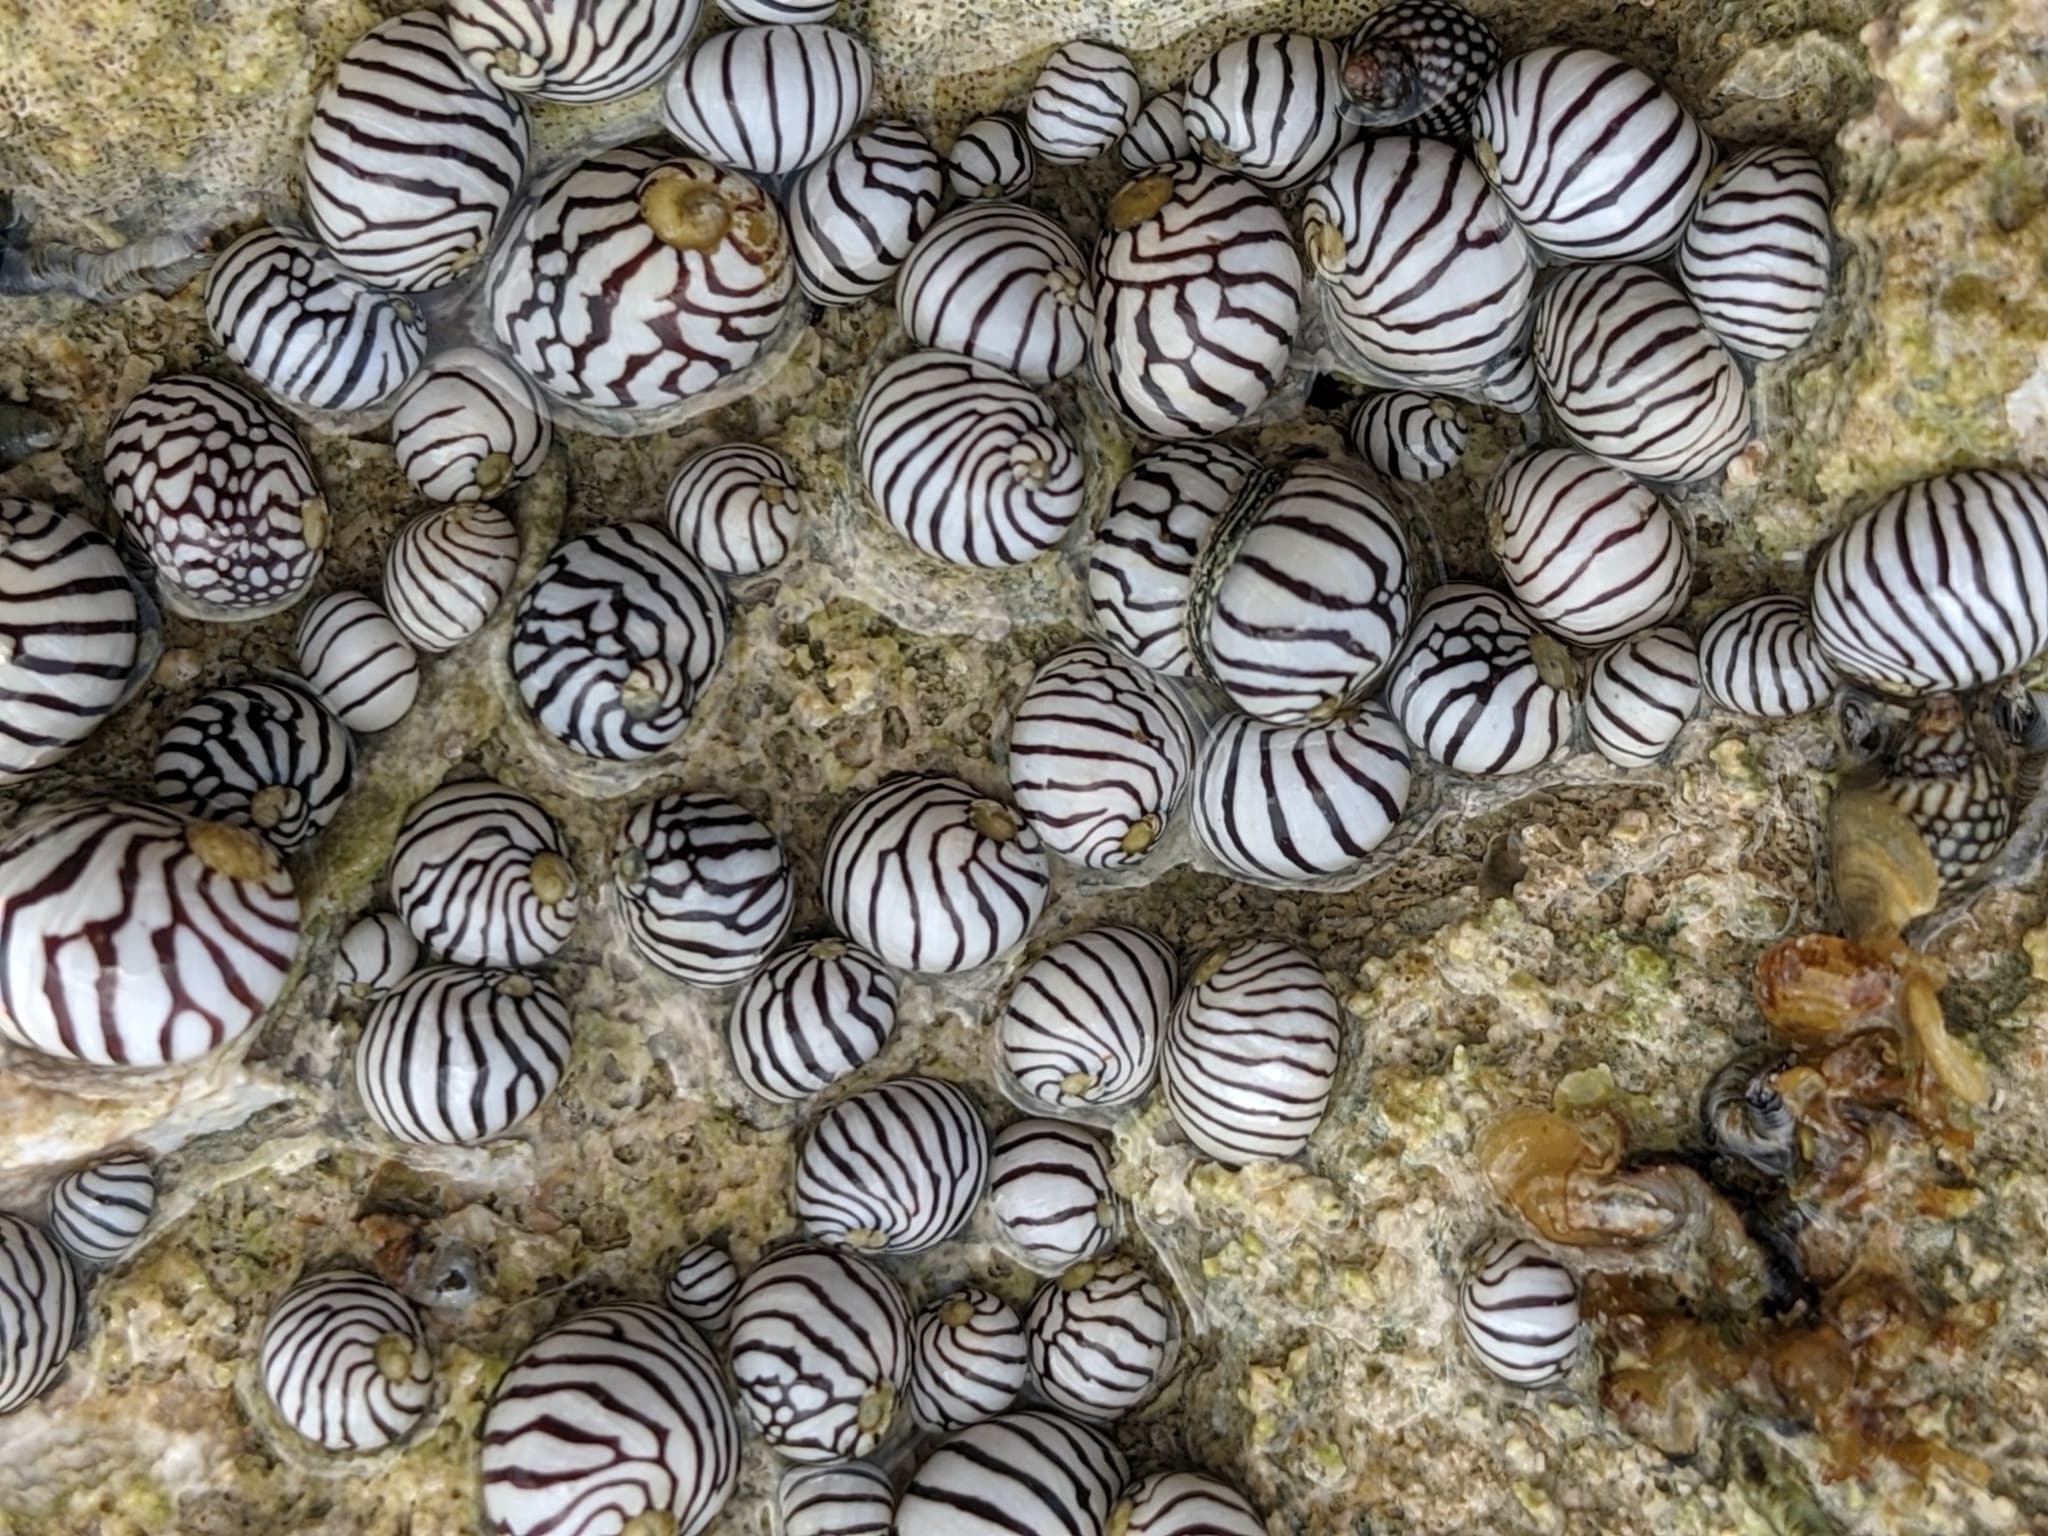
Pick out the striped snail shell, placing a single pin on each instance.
(1030, 1470)
(573, 50)
(1082, 1026)
(893, 1169)
(1185, 1504)
(967, 1360)
(1760, 657)
(990, 158)
(1940, 776)
(966, 462)
(1940, 588)
(1478, 689)
(1050, 1193)
(1418, 65)
(1283, 804)
(99, 1212)
(1085, 98)
(1597, 161)
(71, 635)
(215, 487)
(412, 158)
(358, 661)
(809, 1017)
(820, 1353)
(854, 1499)
(1744, 1116)
(1586, 552)
(615, 641)
(1098, 757)
(345, 1362)
(1302, 593)
(1265, 107)
(639, 279)
(309, 331)
(1143, 558)
(480, 875)
(469, 427)
(136, 937)
(1422, 272)
(1520, 1311)
(263, 755)
(703, 1286)
(1408, 436)
(933, 877)
(765, 12)
(446, 572)
(616, 1414)
(1100, 1338)
(1640, 693)
(734, 507)
(771, 99)
(1158, 137)
(1000, 283)
(856, 214)
(453, 1056)
(377, 953)
(1635, 377)
(1251, 1052)
(1758, 257)
(704, 888)
(39, 1307)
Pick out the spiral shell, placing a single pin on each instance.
(469, 427)
(1085, 98)
(99, 1212)
(968, 1360)
(1049, 1190)
(895, 1169)
(1000, 283)
(704, 888)
(345, 1362)
(262, 755)
(1520, 1312)
(1640, 693)
(1418, 66)
(480, 875)
(1101, 1337)
(573, 50)
(770, 99)
(39, 1308)
(809, 1017)
(1265, 107)
(1185, 1504)
(446, 572)
(1082, 1026)
(854, 1499)
(359, 663)
(1408, 436)
(1760, 657)
(377, 953)
(1023, 1471)
(1758, 257)
(734, 507)
(1158, 137)
(1478, 690)
(990, 158)
(856, 214)
(703, 1286)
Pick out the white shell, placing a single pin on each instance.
(966, 462)
(968, 1360)
(770, 100)
(1082, 1026)
(809, 1017)
(1100, 1337)
(481, 877)
(1759, 255)
(1635, 377)
(762, 12)
(1026, 1471)
(377, 953)
(1597, 160)
(893, 1169)
(1186, 1504)
(1265, 107)
(1639, 695)
(358, 661)
(703, 1286)
(1408, 436)
(854, 216)
(933, 877)
(266, 755)
(1761, 658)
(345, 1362)
(618, 1412)
(1085, 98)
(820, 1353)
(39, 1307)
(1519, 1309)
(734, 507)
(1158, 137)
(1251, 1052)
(99, 1212)
(446, 572)
(1477, 689)
(137, 938)
(990, 158)
(309, 331)
(1049, 1190)
(1000, 283)
(469, 427)
(850, 1500)
(573, 50)
(703, 887)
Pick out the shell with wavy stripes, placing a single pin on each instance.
(856, 214)
(214, 486)
(412, 158)
(1635, 377)
(1099, 751)
(357, 660)
(1101, 1337)
(893, 1169)
(734, 506)
(703, 1286)
(966, 462)
(1519, 1310)
(1422, 273)
(39, 1310)
(769, 99)
(1478, 689)
(71, 635)
(990, 158)
(1251, 1052)
(614, 642)
(1588, 554)
(1284, 804)
(968, 1359)
(309, 331)
(1085, 98)
(469, 427)
(1142, 561)
(1031, 1470)
(1761, 657)
(932, 876)
(1197, 301)
(480, 875)
(99, 1212)
(1158, 137)
(855, 1499)
(820, 1353)
(1597, 161)
(1941, 587)
(1639, 695)
(1758, 257)
(446, 571)
(639, 279)
(266, 755)
(453, 1056)
(617, 1413)
(1418, 66)
(1265, 107)
(1001, 283)
(1050, 1193)
(345, 1362)
(1302, 594)
(573, 50)
(131, 936)
(809, 1017)
(1408, 436)
(1082, 1025)
(704, 888)
(1939, 774)
(1185, 1504)
(376, 954)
